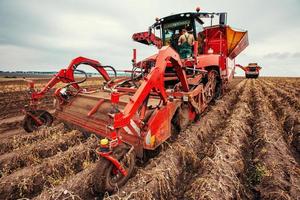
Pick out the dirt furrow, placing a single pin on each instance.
(12, 126)
(276, 173)
(233, 83)
(31, 181)
(9, 144)
(222, 171)
(6, 128)
(9, 133)
(16, 111)
(162, 177)
(17, 87)
(35, 153)
(293, 100)
(290, 82)
(287, 86)
(77, 187)
(12, 103)
(288, 120)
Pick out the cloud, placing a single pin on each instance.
(37, 35)
(282, 55)
(296, 55)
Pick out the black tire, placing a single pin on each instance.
(214, 89)
(105, 171)
(67, 127)
(86, 134)
(218, 92)
(30, 125)
(296, 136)
(183, 117)
(175, 127)
(197, 117)
(148, 154)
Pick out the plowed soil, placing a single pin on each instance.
(14, 96)
(245, 146)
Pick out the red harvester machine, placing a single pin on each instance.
(251, 71)
(135, 115)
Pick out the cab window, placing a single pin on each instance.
(172, 31)
(199, 28)
(199, 36)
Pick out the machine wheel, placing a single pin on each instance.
(218, 93)
(175, 128)
(107, 177)
(211, 85)
(197, 117)
(183, 117)
(67, 127)
(148, 154)
(30, 125)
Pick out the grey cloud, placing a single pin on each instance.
(282, 55)
(296, 55)
(50, 33)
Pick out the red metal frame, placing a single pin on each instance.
(128, 124)
(145, 38)
(67, 75)
(114, 161)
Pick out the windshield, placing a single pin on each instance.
(172, 31)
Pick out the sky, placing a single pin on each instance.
(46, 35)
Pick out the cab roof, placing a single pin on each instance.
(185, 15)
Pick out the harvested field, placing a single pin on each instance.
(35, 152)
(21, 85)
(245, 146)
(14, 95)
(31, 180)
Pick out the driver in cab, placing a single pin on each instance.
(185, 43)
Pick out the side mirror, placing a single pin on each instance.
(223, 19)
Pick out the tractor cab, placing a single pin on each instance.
(166, 31)
(171, 27)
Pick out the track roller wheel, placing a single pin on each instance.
(30, 125)
(183, 117)
(211, 85)
(148, 154)
(107, 177)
